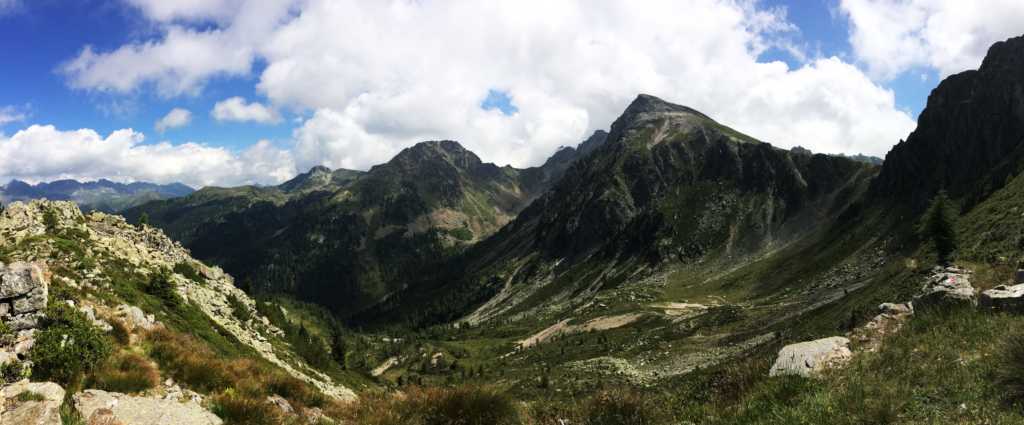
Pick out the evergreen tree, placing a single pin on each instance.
(144, 220)
(939, 226)
(339, 348)
(50, 219)
(246, 286)
(162, 286)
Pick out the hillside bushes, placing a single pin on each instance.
(67, 344)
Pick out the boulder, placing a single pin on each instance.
(34, 413)
(1003, 298)
(808, 358)
(20, 278)
(50, 390)
(948, 286)
(104, 417)
(139, 410)
(280, 403)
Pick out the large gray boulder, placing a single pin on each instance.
(23, 292)
(50, 390)
(808, 358)
(138, 410)
(1003, 298)
(946, 286)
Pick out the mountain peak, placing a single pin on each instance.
(647, 103)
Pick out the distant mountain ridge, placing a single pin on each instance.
(102, 195)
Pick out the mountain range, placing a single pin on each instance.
(101, 196)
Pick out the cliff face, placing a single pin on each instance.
(969, 137)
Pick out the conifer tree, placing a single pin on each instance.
(939, 226)
(50, 219)
(143, 220)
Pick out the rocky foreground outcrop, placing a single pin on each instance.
(140, 410)
(949, 285)
(808, 358)
(45, 412)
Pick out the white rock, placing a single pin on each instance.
(808, 358)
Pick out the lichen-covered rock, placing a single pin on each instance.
(34, 413)
(946, 286)
(808, 358)
(50, 390)
(1003, 298)
(139, 410)
(104, 417)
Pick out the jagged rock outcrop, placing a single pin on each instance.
(973, 125)
(808, 358)
(946, 286)
(140, 410)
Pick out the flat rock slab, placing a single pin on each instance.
(946, 286)
(50, 390)
(1003, 298)
(143, 411)
(33, 413)
(808, 358)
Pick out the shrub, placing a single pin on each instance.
(621, 406)
(143, 220)
(186, 269)
(50, 219)
(67, 344)
(162, 286)
(119, 332)
(243, 407)
(13, 371)
(238, 309)
(126, 373)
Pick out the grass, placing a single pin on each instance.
(241, 386)
(30, 396)
(127, 372)
(947, 365)
(460, 404)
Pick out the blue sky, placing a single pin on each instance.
(264, 89)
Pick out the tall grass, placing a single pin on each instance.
(624, 406)
(240, 386)
(458, 405)
(127, 373)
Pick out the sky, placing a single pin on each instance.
(233, 92)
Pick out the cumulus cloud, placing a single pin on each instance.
(8, 6)
(85, 155)
(892, 36)
(235, 109)
(382, 75)
(176, 118)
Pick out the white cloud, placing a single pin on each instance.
(176, 118)
(85, 155)
(235, 109)
(9, 6)
(382, 75)
(10, 114)
(892, 36)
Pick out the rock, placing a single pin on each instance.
(104, 417)
(281, 404)
(24, 321)
(50, 390)
(313, 415)
(951, 285)
(7, 356)
(35, 300)
(24, 346)
(807, 358)
(138, 410)
(20, 278)
(891, 309)
(34, 413)
(1003, 298)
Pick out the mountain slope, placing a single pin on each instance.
(668, 186)
(347, 238)
(969, 138)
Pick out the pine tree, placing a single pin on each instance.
(939, 226)
(339, 348)
(246, 286)
(50, 219)
(143, 220)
